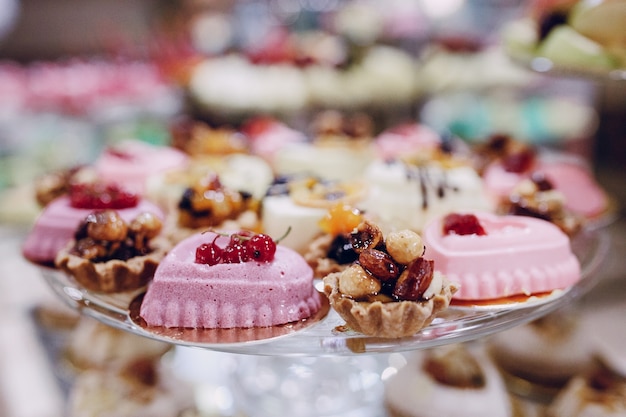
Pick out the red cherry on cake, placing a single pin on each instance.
(462, 224)
(235, 253)
(261, 248)
(243, 246)
(209, 253)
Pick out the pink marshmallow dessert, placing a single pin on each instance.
(56, 224)
(495, 257)
(188, 294)
(406, 140)
(581, 193)
(130, 163)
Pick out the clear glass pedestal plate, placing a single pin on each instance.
(317, 367)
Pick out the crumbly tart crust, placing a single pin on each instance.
(317, 257)
(114, 275)
(386, 320)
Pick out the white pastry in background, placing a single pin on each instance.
(406, 196)
(137, 389)
(540, 357)
(94, 345)
(451, 381)
(232, 84)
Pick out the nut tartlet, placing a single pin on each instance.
(109, 255)
(390, 291)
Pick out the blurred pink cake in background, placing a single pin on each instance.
(268, 135)
(406, 140)
(581, 192)
(186, 293)
(493, 257)
(130, 163)
(56, 224)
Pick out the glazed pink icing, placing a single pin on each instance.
(248, 294)
(581, 192)
(518, 255)
(405, 140)
(56, 224)
(131, 163)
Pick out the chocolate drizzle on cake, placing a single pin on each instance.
(425, 180)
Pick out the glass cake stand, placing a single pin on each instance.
(317, 368)
(325, 333)
(542, 65)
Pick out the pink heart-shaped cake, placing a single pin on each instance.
(191, 294)
(512, 255)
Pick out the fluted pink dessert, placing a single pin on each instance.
(56, 224)
(518, 255)
(269, 135)
(582, 194)
(406, 140)
(131, 163)
(187, 294)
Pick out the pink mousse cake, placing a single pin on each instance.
(56, 224)
(514, 255)
(406, 140)
(130, 163)
(187, 294)
(582, 194)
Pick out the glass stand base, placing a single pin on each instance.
(262, 386)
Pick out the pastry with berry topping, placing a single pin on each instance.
(506, 162)
(453, 381)
(239, 280)
(267, 135)
(495, 257)
(56, 224)
(111, 255)
(390, 290)
(408, 194)
(131, 162)
(406, 141)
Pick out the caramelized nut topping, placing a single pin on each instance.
(366, 235)
(414, 280)
(104, 235)
(379, 264)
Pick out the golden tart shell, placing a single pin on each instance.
(114, 275)
(394, 319)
